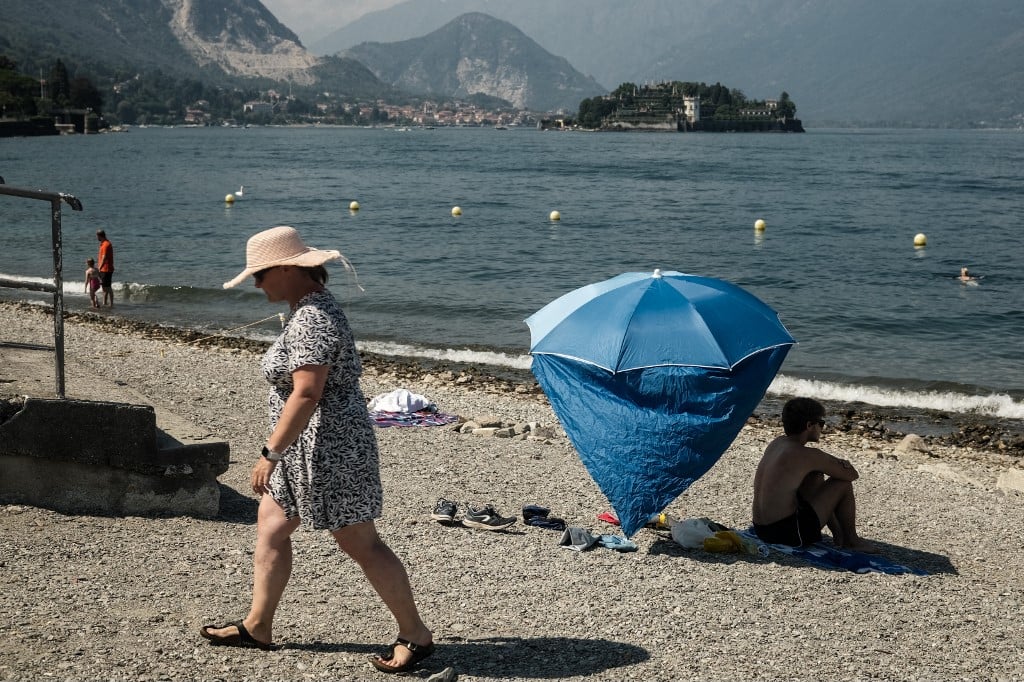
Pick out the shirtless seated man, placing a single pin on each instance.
(799, 489)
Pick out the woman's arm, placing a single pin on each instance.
(308, 382)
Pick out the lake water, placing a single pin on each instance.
(876, 319)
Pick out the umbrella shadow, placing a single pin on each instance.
(519, 657)
(929, 562)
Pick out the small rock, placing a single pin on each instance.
(446, 675)
(543, 432)
(912, 443)
(487, 421)
(1011, 479)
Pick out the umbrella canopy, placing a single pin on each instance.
(640, 319)
(653, 376)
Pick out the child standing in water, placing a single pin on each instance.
(92, 281)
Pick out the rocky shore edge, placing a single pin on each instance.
(968, 436)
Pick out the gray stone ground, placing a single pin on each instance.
(97, 598)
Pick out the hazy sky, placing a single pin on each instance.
(314, 19)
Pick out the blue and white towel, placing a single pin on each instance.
(828, 556)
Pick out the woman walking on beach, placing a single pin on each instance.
(319, 467)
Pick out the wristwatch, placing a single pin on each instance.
(271, 455)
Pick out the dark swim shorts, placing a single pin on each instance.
(798, 529)
(105, 279)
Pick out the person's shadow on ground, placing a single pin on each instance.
(532, 657)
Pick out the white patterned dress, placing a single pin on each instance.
(330, 476)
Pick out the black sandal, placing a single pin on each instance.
(243, 639)
(419, 652)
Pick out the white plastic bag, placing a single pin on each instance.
(690, 533)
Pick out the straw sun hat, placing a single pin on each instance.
(281, 246)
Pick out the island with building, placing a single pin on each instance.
(683, 107)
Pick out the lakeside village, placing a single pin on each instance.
(76, 106)
(660, 107)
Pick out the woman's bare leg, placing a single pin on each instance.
(388, 577)
(272, 567)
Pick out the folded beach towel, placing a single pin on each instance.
(421, 418)
(827, 556)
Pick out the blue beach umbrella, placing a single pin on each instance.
(653, 376)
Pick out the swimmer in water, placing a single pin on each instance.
(965, 275)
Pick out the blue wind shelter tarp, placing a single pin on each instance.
(646, 435)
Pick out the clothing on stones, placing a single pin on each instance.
(330, 476)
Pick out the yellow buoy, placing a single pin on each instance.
(759, 225)
(456, 211)
(555, 215)
(229, 198)
(354, 206)
(920, 239)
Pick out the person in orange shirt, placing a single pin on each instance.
(106, 267)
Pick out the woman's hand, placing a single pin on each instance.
(261, 475)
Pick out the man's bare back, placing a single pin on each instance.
(793, 479)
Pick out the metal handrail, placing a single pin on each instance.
(57, 287)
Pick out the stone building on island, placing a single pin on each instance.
(686, 107)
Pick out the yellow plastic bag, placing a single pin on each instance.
(731, 541)
(724, 541)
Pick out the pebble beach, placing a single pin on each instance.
(122, 598)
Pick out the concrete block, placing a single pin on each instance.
(77, 456)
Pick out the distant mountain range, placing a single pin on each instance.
(476, 53)
(897, 62)
(227, 38)
(931, 62)
(240, 43)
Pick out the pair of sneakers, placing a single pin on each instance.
(483, 518)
